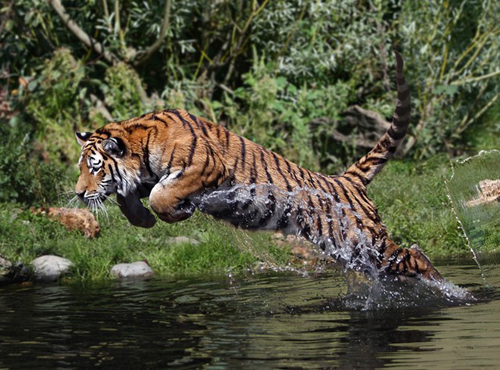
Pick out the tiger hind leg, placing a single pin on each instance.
(407, 262)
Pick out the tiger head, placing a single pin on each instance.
(107, 166)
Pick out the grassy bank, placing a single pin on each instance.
(411, 198)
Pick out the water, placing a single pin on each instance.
(262, 321)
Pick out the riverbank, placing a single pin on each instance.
(411, 198)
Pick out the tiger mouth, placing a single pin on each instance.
(94, 200)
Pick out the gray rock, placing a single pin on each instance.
(178, 240)
(132, 270)
(13, 272)
(50, 268)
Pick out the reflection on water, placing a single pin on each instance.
(266, 321)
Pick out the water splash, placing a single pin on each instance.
(352, 248)
(471, 190)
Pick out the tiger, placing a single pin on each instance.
(184, 163)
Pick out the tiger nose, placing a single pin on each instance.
(80, 194)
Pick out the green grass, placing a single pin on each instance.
(25, 236)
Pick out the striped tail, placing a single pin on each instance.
(367, 167)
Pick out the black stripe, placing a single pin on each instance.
(264, 165)
(374, 218)
(392, 259)
(213, 160)
(278, 167)
(235, 166)
(253, 171)
(243, 153)
(155, 117)
(191, 151)
(396, 135)
(185, 122)
(349, 200)
(357, 175)
(207, 161)
(327, 210)
(337, 199)
(200, 124)
(301, 172)
(169, 165)
(292, 173)
(145, 149)
(227, 139)
(116, 169)
(111, 172)
(328, 184)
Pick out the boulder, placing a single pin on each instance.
(132, 270)
(49, 268)
(13, 272)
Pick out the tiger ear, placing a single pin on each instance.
(82, 137)
(114, 146)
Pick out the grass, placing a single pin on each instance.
(411, 197)
(25, 236)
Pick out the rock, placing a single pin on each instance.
(178, 240)
(73, 219)
(488, 192)
(13, 272)
(132, 270)
(49, 268)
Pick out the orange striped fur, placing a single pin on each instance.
(183, 163)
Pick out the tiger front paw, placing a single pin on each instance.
(132, 207)
(182, 211)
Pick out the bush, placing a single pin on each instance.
(24, 179)
(55, 100)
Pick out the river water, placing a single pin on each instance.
(266, 321)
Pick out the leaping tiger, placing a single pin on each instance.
(183, 163)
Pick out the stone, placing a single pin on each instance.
(138, 269)
(488, 192)
(49, 268)
(13, 272)
(178, 240)
(73, 219)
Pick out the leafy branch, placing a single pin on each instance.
(144, 56)
(81, 34)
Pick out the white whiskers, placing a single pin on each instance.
(74, 202)
(97, 206)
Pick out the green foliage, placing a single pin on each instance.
(275, 113)
(24, 179)
(122, 93)
(455, 53)
(53, 99)
(325, 52)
